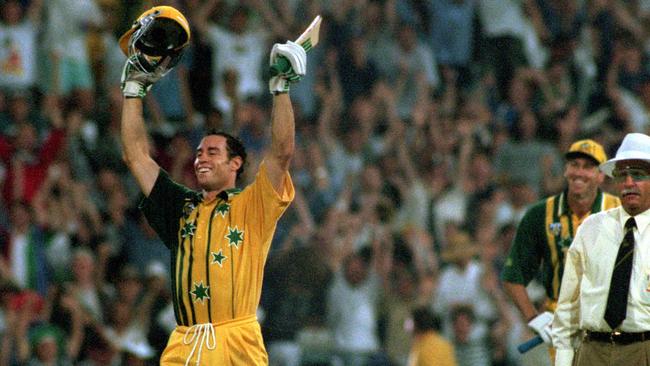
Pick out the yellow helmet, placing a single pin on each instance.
(159, 32)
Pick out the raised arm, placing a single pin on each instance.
(278, 21)
(331, 98)
(135, 145)
(278, 157)
(201, 14)
(138, 75)
(282, 140)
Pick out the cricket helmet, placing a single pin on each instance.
(159, 32)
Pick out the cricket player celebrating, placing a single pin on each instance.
(219, 237)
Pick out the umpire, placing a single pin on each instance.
(547, 230)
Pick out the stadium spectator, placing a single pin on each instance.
(19, 29)
(429, 347)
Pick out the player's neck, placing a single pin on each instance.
(209, 196)
(581, 204)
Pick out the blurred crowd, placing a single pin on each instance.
(425, 128)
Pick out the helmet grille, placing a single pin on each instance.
(162, 37)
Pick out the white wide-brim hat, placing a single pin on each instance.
(635, 146)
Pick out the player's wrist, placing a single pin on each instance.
(133, 89)
(278, 85)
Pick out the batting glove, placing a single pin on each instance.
(541, 324)
(297, 58)
(135, 83)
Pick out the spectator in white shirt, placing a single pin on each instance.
(238, 51)
(352, 309)
(18, 32)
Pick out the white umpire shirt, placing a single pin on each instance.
(587, 275)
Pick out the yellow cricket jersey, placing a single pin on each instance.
(219, 248)
(431, 349)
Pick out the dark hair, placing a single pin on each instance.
(516, 131)
(459, 310)
(365, 253)
(235, 148)
(424, 319)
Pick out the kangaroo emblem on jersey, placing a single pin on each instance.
(190, 205)
(555, 227)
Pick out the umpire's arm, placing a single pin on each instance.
(135, 145)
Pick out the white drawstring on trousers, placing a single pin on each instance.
(200, 334)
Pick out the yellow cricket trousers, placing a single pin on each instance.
(236, 342)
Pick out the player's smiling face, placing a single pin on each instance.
(214, 169)
(583, 176)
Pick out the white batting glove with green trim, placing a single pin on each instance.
(297, 57)
(135, 83)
